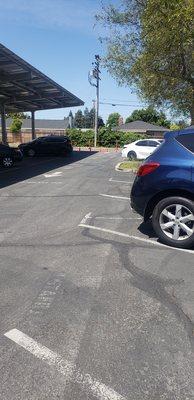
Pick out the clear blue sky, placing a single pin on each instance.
(58, 37)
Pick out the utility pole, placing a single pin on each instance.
(95, 74)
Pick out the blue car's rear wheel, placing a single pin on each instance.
(173, 221)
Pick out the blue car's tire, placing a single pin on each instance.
(173, 221)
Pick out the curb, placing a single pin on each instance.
(117, 168)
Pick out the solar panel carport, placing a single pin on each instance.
(24, 88)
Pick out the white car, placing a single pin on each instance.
(140, 149)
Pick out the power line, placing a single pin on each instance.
(122, 101)
(119, 104)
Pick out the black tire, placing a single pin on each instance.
(7, 162)
(158, 216)
(31, 152)
(132, 155)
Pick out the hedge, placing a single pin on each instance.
(106, 137)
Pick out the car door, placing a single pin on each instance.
(46, 145)
(55, 144)
(142, 149)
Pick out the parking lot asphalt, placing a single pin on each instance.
(91, 306)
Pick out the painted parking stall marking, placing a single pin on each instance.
(46, 296)
(90, 216)
(53, 174)
(118, 181)
(88, 383)
(133, 237)
(84, 219)
(114, 197)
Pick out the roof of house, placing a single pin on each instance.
(43, 123)
(141, 126)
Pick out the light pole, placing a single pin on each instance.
(95, 74)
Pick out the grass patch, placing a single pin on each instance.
(130, 165)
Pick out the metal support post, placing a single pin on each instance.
(3, 125)
(33, 125)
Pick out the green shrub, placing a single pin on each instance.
(129, 137)
(16, 125)
(106, 137)
(79, 138)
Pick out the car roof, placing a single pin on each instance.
(185, 131)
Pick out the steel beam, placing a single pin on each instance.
(3, 125)
(23, 76)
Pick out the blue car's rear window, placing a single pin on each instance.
(187, 141)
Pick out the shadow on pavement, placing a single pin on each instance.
(31, 167)
(147, 229)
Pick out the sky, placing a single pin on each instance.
(59, 37)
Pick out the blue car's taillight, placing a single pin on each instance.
(146, 169)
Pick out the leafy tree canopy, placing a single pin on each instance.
(79, 119)
(151, 48)
(86, 119)
(113, 119)
(150, 115)
(19, 115)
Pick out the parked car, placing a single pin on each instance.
(164, 189)
(140, 149)
(9, 155)
(47, 145)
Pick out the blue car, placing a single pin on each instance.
(164, 189)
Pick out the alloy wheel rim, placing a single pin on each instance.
(7, 162)
(177, 222)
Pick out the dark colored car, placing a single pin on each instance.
(47, 145)
(164, 189)
(9, 155)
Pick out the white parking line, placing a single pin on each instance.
(118, 218)
(149, 241)
(114, 180)
(87, 216)
(114, 197)
(98, 389)
(52, 174)
(43, 182)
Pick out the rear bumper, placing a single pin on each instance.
(137, 206)
(139, 198)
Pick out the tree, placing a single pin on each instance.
(17, 119)
(79, 119)
(92, 117)
(113, 119)
(150, 115)
(87, 119)
(16, 125)
(150, 47)
(100, 122)
(71, 119)
(19, 115)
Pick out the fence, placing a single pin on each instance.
(26, 136)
